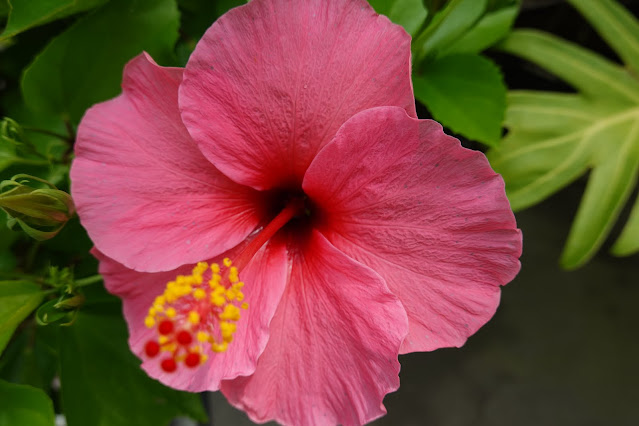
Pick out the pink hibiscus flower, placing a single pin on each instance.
(288, 152)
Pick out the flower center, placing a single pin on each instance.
(197, 314)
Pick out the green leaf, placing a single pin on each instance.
(616, 25)
(97, 366)
(491, 28)
(63, 78)
(465, 93)
(17, 300)
(610, 184)
(25, 405)
(4, 8)
(554, 138)
(7, 155)
(433, 6)
(448, 25)
(223, 6)
(410, 14)
(27, 14)
(198, 15)
(30, 358)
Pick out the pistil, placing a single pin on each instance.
(197, 314)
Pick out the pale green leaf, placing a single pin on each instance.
(590, 73)
(616, 25)
(17, 300)
(613, 177)
(465, 93)
(25, 405)
(62, 79)
(554, 138)
(26, 14)
(628, 241)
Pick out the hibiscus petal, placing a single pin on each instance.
(270, 83)
(145, 193)
(429, 216)
(332, 353)
(265, 278)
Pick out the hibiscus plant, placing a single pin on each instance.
(240, 197)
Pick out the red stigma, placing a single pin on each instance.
(166, 327)
(184, 338)
(192, 360)
(169, 365)
(152, 348)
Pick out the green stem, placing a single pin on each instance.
(93, 279)
(65, 138)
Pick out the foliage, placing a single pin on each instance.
(450, 76)
(24, 405)
(556, 137)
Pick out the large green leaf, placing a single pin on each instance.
(31, 357)
(555, 138)
(17, 300)
(466, 93)
(24, 405)
(102, 382)
(410, 14)
(25, 14)
(84, 64)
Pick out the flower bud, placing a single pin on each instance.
(40, 212)
(10, 132)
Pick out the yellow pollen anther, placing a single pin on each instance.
(199, 294)
(219, 347)
(194, 318)
(149, 322)
(203, 336)
(233, 274)
(208, 313)
(217, 300)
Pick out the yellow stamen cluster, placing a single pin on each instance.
(206, 304)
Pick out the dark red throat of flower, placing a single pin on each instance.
(197, 315)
